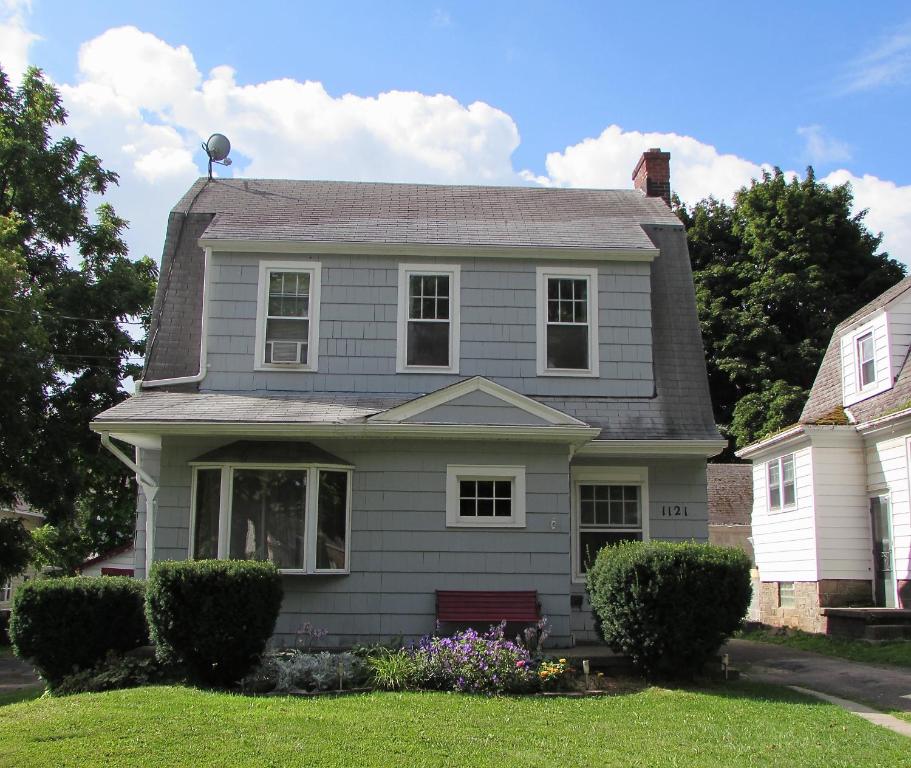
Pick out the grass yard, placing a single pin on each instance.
(897, 652)
(737, 725)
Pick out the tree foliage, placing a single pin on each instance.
(15, 549)
(775, 273)
(67, 290)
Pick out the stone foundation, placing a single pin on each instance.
(809, 597)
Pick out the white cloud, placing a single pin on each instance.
(441, 18)
(822, 149)
(15, 38)
(889, 63)
(698, 170)
(889, 207)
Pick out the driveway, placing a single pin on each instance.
(16, 674)
(886, 688)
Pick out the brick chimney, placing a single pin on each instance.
(653, 174)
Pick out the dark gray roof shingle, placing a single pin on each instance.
(827, 395)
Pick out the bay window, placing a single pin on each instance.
(296, 516)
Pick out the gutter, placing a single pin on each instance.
(781, 437)
(203, 327)
(883, 421)
(149, 491)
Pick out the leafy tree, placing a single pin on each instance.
(775, 273)
(15, 548)
(67, 292)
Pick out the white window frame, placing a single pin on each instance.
(6, 591)
(572, 273)
(310, 518)
(604, 476)
(452, 271)
(859, 363)
(457, 472)
(314, 269)
(779, 461)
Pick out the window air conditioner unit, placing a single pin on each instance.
(286, 352)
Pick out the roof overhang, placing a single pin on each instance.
(783, 438)
(899, 420)
(817, 435)
(444, 250)
(139, 432)
(704, 448)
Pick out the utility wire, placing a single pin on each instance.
(72, 317)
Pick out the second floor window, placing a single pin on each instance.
(428, 319)
(288, 316)
(782, 483)
(866, 364)
(568, 322)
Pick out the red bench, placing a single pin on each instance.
(467, 606)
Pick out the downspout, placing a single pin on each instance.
(197, 377)
(149, 491)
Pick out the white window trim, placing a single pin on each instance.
(605, 476)
(858, 363)
(401, 353)
(768, 485)
(310, 519)
(456, 472)
(6, 591)
(591, 273)
(262, 302)
(884, 379)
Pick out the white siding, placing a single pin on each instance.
(785, 542)
(842, 506)
(899, 330)
(879, 325)
(887, 472)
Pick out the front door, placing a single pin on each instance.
(883, 573)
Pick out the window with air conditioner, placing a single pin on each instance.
(287, 318)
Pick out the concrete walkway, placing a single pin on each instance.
(885, 688)
(16, 675)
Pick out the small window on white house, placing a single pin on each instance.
(866, 364)
(568, 322)
(428, 334)
(485, 496)
(288, 315)
(6, 591)
(787, 597)
(781, 483)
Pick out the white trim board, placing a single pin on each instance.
(431, 250)
(445, 395)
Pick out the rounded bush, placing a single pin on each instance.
(214, 617)
(668, 606)
(69, 624)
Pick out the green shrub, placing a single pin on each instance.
(70, 624)
(115, 672)
(213, 617)
(668, 606)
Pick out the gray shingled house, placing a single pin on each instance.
(411, 396)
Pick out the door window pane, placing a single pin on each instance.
(207, 504)
(331, 520)
(267, 516)
(592, 542)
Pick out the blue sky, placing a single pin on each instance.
(550, 93)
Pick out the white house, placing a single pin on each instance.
(831, 513)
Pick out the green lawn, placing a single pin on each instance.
(897, 652)
(736, 725)
(23, 694)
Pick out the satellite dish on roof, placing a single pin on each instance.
(217, 148)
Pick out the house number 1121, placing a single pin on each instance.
(673, 510)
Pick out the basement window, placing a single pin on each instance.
(786, 595)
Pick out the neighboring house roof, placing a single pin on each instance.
(107, 555)
(730, 493)
(827, 397)
(359, 213)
